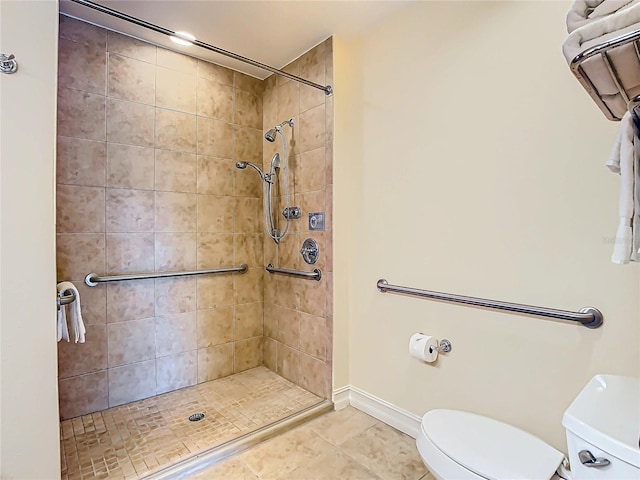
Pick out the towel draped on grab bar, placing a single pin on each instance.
(77, 330)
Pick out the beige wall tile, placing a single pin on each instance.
(248, 320)
(215, 326)
(129, 166)
(288, 362)
(248, 287)
(247, 109)
(294, 288)
(329, 304)
(132, 382)
(177, 61)
(215, 214)
(311, 202)
(175, 131)
(214, 291)
(215, 72)
(328, 219)
(175, 212)
(80, 358)
(248, 249)
(248, 143)
(310, 171)
(248, 354)
(130, 123)
(270, 359)
(215, 250)
(79, 209)
(215, 362)
(270, 319)
(79, 254)
(81, 114)
(82, 67)
(288, 95)
(94, 303)
(175, 90)
(270, 108)
(329, 118)
(131, 342)
(175, 295)
(215, 100)
(131, 47)
(80, 162)
(248, 215)
(312, 67)
(215, 138)
(313, 297)
(131, 79)
(176, 371)
(175, 171)
(328, 162)
(313, 335)
(83, 394)
(312, 129)
(315, 375)
(215, 175)
(129, 252)
(248, 83)
(175, 251)
(175, 333)
(82, 32)
(289, 252)
(288, 326)
(129, 210)
(130, 300)
(246, 183)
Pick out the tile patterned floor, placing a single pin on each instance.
(343, 445)
(138, 438)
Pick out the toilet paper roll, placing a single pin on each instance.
(423, 347)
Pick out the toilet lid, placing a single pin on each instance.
(489, 448)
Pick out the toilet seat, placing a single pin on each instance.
(458, 444)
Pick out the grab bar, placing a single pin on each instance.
(65, 299)
(93, 279)
(315, 275)
(590, 317)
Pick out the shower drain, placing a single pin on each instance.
(196, 417)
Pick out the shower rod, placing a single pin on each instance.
(165, 31)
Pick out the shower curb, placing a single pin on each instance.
(202, 461)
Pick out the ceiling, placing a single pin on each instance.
(270, 32)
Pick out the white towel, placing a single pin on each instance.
(63, 332)
(624, 161)
(75, 315)
(583, 12)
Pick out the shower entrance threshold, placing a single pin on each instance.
(154, 438)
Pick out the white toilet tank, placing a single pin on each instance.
(603, 429)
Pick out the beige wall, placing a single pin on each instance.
(147, 145)
(298, 312)
(29, 411)
(479, 170)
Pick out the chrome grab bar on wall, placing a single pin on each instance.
(315, 275)
(93, 279)
(65, 299)
(590, 317)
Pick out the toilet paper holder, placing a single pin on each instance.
(444, 346)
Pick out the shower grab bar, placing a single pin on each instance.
(590, 317)
(315, 275)
(165, 31)
(93, 279)
(65, 299)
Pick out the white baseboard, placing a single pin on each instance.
(384, 411)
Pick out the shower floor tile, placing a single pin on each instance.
(136, 439)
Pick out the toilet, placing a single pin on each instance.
(603, 436)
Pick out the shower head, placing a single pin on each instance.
(270, 135)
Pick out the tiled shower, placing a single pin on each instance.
(146, 181)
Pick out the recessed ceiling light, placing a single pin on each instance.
(183, 38)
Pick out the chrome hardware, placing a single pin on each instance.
(588, 460)
(315, 275)
(445, 346)
(292, 213)
(589, 317)
(8, 63)
(93, 279)
(316, 222)
(310, 251)
(65, 298)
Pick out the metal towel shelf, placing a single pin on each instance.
(590, 317)
(93, 279)
(315, 275)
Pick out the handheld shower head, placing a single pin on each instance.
(270, 135)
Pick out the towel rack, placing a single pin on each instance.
(630, 95)
(590, 317)
(315, 275)
(65, 299)
(93, 279)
